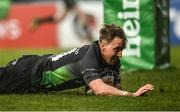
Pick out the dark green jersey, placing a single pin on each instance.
(72, 69)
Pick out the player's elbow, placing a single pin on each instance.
(99, 92)
(98, 87)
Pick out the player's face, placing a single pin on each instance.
(112, 51)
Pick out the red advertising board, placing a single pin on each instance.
(15, 30)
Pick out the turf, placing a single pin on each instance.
(164, 97)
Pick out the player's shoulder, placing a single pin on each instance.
(94, 47)
(90, 48)
(92, 55)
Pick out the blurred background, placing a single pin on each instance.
(78, 24)
(174, 22)
(69, 31)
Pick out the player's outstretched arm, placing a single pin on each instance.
(36, 22)
(101, 88)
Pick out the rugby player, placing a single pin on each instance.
(88, 65)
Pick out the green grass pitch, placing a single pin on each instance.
(166, 95)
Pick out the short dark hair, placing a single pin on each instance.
(109, 32)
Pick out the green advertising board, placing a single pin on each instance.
(4, 8)
(145, 23)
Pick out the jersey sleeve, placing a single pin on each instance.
(90, 65)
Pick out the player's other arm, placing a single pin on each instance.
(101, 88)
(56, 18)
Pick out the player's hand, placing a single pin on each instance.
(34, 24)
(143, 90)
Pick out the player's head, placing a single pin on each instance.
(112, 41)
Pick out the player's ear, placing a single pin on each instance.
(103, 43)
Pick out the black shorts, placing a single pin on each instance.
(16, 76)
